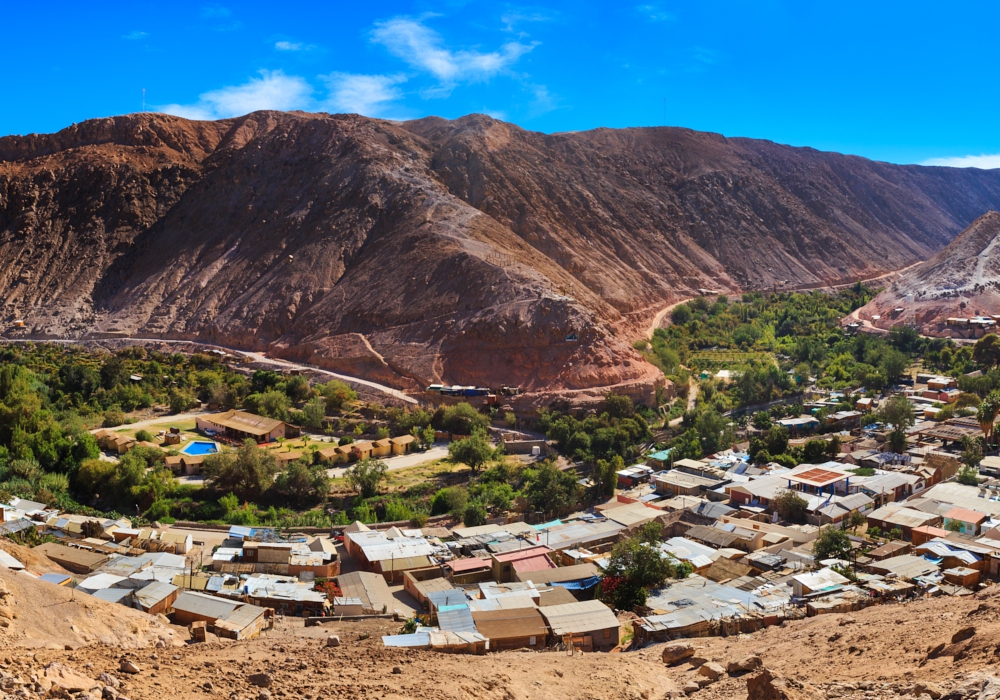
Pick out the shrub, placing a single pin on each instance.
(144, 436)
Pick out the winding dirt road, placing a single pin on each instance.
(258, 357)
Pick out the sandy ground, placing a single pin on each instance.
(414, 459)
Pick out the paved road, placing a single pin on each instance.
(414, 459)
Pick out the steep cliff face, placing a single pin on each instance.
(467, 251)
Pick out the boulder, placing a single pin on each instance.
(109, 693)
(927, 689)
(108, 679)
(744, 665)
(767, 686)
(128, 666)
(712, 670)
(261, 680)
(68, 679)
(333, 641)
(675, 652)
(690, 687)
(963, 634)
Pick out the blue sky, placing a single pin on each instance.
(905, 82)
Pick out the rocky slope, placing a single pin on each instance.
(962, 280)
(468, 251)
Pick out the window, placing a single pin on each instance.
(531, 641)
(607, 634)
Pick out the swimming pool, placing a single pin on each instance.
(201, 448)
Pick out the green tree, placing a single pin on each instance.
(814, 451)
(550, 490)
(462, 419)
(790, 506)
(366, 476)
(711, 428)
(297, 388)
(452, 499)
(144, 436)
(337, 395)
(776, 441)
(987, 414)
(427, 436)
(954, 526)
(634, 566)
(474, 450)
(113, 417)
(246, 472)
(302, 485)
(313, 413)
(181, 400)
(475, 514)
(967, 475)
(856, 519)
(618, 406)
(270, 404)
(897, 412)
(605, 475)
(762, 420)
(229, 503)
(986, 351)
(681, 314)
(832, 544)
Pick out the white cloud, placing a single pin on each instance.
(369, 95)
(655, 13)
(135, 36)
(288, 46)
(543, 102)
(511, 19)
(985, 162)
(273, 90)
(422, 48)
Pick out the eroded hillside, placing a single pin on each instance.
(468, 251)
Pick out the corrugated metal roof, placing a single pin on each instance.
(154, 593)
(115, 595)
(370, 588)
(577, 618)
(456, 618)
(420, 640)
(205, 605)
(506, 624)
(452, 596)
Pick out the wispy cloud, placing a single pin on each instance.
(423, 49)
(985, 162)
(369, 95)
(135, 36)
(655, 13)
(513, 18)
(273, 90)
(543, 102)
(288, 46)
(215, 12)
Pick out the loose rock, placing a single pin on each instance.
(262, 680)
(675, 652)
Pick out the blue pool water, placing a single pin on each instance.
(200, 448)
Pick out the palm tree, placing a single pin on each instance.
(987, 415)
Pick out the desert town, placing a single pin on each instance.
(906, 529)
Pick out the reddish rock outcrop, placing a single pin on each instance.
(466, 251)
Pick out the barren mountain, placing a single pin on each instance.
(468, 251)
(962, 280)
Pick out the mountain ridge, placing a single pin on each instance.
(468, 251)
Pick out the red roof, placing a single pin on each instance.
(965, 515)
(538, 562)
(470, 564)
(519, 554)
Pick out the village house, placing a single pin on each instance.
(965, 521)
(508, 565)
(590, 625)
(226, 618)
(402, 444)
(240, 425)
(516, 628)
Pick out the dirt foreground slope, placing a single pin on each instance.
(468, 251)
(941, 647)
